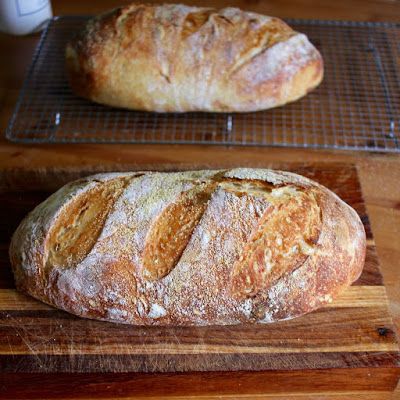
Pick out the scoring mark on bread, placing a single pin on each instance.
(264, 37)
(283, 240)
(194, 22)
(79, 225)
(172, 230)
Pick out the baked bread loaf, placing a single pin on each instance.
(189, 248)
(175, 58)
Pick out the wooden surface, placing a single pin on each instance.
(361, 10)
(379, 177)
(351, 339)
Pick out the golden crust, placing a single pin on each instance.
(175, 58)
(114, 279)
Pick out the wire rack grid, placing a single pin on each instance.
(356, 107)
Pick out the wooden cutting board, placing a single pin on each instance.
(347, 346)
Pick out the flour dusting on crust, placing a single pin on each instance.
(109, 283)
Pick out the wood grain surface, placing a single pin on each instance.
(379, 177)
(352, 337)
(360, 10)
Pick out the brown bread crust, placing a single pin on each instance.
(189, 248)
(176, 58)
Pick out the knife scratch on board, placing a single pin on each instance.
(23, 333)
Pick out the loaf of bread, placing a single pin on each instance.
(189, 248)
(175, 58)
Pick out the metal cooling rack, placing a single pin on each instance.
(356, 107)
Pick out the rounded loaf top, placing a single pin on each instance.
(189, 248)
(176, 58)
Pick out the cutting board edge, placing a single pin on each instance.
(199, 383)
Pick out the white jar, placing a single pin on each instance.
(20, 17)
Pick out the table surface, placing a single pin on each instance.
(379, 173)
